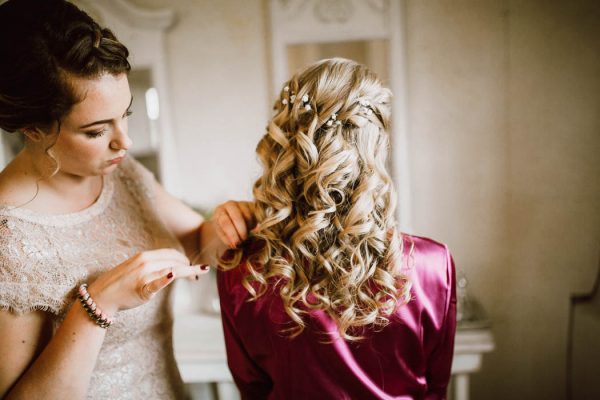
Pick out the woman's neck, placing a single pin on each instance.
(29, 182)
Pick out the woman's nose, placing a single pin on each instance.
(122, 141)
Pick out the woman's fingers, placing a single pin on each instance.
(150, 288)
(181, 271)
(149, 266)
(226, 228)
(234, 219)
(158, 280)
(247, 209)
(235, 212)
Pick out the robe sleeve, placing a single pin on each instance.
(440, 361)
(250, 379)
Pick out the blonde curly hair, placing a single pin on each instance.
(325, 203)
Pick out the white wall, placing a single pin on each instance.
(219, 76)
(503, 102)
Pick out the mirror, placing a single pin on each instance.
(367, 31)
(143, 123)
(373, 53)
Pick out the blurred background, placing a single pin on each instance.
(496, 152)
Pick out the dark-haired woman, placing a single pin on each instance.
(89, 242)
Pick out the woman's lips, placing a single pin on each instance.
(116, 160)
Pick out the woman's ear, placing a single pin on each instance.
(33, 134)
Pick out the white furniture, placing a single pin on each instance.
(200, 348)
(200, 353)
(469, 346)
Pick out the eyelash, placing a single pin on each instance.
(100, 133)
(95, 134)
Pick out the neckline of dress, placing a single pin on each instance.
(65, 219)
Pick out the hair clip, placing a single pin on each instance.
(305, 101)
(366, 105)
(333, 120)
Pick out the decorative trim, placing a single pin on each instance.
(137, 17)
(328, 11)
(377, 5)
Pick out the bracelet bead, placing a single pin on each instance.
(92, 308)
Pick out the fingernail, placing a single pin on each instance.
(197, 277)
(204, 267)
(169, 275)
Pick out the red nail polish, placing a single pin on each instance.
(204, 267)
(169, 275)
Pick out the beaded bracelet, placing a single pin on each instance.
(92, 308)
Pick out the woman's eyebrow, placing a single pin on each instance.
(104, 121)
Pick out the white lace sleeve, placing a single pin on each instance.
(30, 273)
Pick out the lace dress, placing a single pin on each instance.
(44, 258)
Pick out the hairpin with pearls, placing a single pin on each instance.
(333, 120)
(306, 102)
(365, 106)
(285, 101)
(292, 99)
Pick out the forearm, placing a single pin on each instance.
(64, 368)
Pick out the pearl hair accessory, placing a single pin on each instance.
(333, 120)
(285, 101)
(290, 98)
(366, 105)
(305, 102)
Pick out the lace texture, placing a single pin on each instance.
(44, 258)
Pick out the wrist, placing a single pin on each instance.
(96, 314)
(102, 300)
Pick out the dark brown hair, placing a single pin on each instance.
(42, 44)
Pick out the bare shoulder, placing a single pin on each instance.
(16, 187)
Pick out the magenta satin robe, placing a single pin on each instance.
(409, 359)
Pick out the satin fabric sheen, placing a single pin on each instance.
(409, 359)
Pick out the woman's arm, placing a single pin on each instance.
(64, 367)
(23, 339)
(204, 241)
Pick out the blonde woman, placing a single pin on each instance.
(327, 300)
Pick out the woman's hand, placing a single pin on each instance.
(138, 279)
(233, 220)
